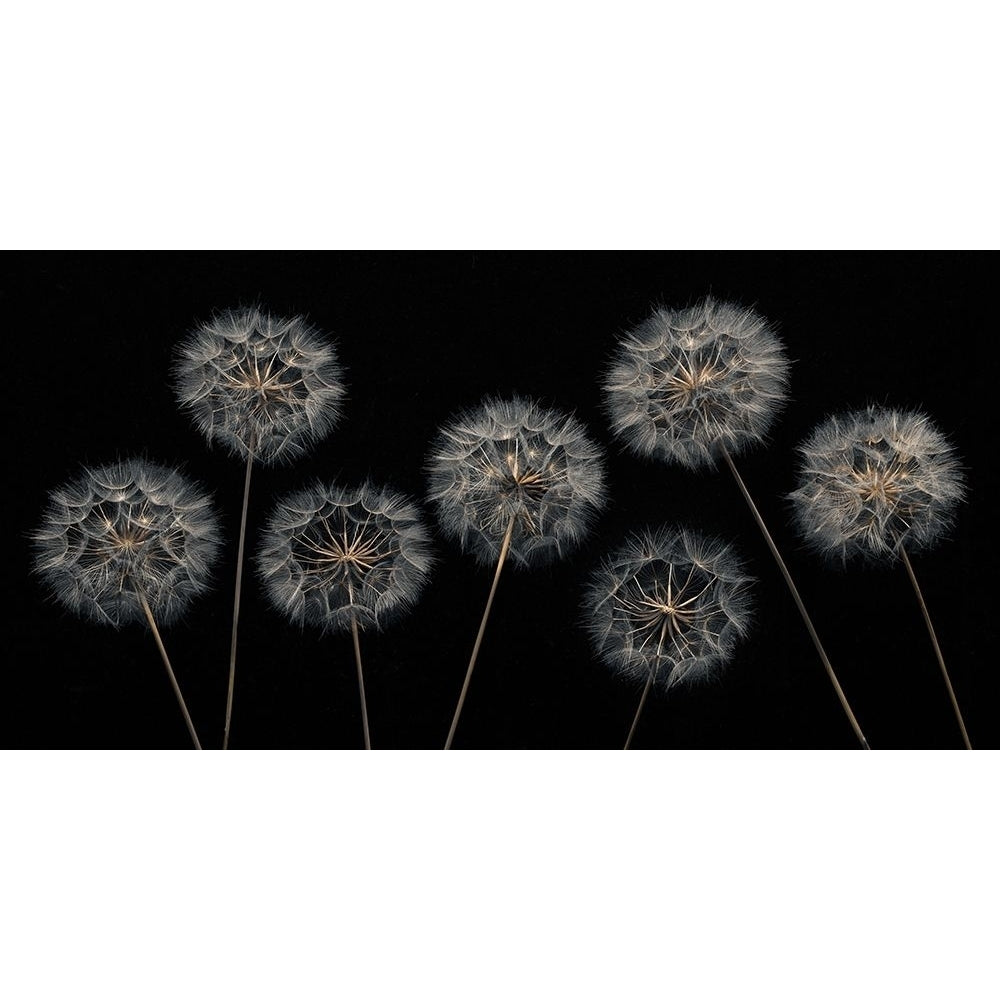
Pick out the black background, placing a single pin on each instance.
(90, 339)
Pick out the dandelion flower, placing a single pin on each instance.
(513, 466)
(687, 383)
(130, 541)
(668, 606)
(265, 388)
(344, 559)
(695, 385)
(873, 480)
(514, 479)
(876, 484)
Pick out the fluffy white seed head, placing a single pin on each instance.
(260, 383)
(126, 529)
(872, 479)
(687, 381)
(515, 460)
(330, 554)
(669, 601)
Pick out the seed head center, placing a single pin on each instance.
(525, 479)
(878, 484)
(130, 539)
(676, 617)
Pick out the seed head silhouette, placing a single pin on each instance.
(262, 386)
(129, 541)
(122, 531)
(700, 384)
(669, 604)
(513, 478)
(879, 484)
(687, 382)
(330, 555)
(873, 479)
(341, 558)
(265, 388)
(511, 467)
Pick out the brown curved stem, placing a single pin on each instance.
(937, 647)
(361, 683)
(361, 676)
(170, 669)
(795, 597)
(504, 549)
(649, 686)
(236, 601)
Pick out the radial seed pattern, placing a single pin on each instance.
(688, 381)
(260, 383)
(331, 554)
(514, 460)
(671, 602)
(123, 530)
(874, 478)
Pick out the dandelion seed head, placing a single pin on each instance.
(515, 460)
(670, 601)
(872, 479)
(686, 382)
(124, 529)
(259, 383)
(330, 554)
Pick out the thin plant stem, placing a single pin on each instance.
(934, 642)
(795, 596)
(504, 549)
(236, 601)
(649, 686)
(170, 669)
(361, 676)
